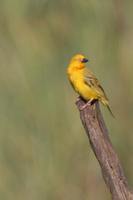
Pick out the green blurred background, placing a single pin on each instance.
(44, 151)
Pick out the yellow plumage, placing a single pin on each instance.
(84, 81)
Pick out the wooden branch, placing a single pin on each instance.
(111, 168)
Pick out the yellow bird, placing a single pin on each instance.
(85, 83)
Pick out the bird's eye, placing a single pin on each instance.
(84, 60)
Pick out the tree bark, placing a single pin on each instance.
(111, 168)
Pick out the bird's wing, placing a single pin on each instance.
(93, 82)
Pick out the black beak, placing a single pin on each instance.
(85, 60)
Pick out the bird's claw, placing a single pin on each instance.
(85, 105)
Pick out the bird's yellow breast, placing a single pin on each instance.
(78, 83)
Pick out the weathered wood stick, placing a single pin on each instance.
(111, 168)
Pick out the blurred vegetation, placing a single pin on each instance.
(44, 152)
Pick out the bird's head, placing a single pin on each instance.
(78, 61)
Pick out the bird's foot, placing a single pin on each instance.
(89, 103)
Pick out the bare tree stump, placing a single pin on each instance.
(111, 168)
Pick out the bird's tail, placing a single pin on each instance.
(110, 111)
(106, 103)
